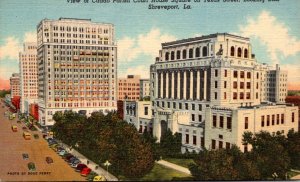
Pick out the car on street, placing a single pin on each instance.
(58, 149)
(49, 160)
(75, 163)
(72, 159)
(31, 166)
(53, 146)
(80, 167)
(99, 178)
(66, 155)
(85, 171)
(62, 152)
(67, 159)
(14, 128)
(91, 176)
(25, 156)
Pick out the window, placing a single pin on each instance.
(262, 121)
(256, 95)
(146, 111)
(193, 107)
(167, 56)
(220, 144)
(216, 95)
(257, 75)
(225, 84)
(178, 55)
(273, 119)
(268, 120)
(235, 84)
(293, 117)
(194, 140)
(174, 105)
(187, 138)
(242, 74)
(225, 96)
(216, 84)
(234, 95)
(246, 53)
(246, 123)
(235, 74)
(225, 73)
(184, 54)
(202, 141)
(172, 55)
(186, 106)
(229, 123)
(241, 95)
(193, 117)
(168, 103)
(248, 95)
(213, 144)
(204, 51)
(191, 52)
(282, 118)
(214, 121)
(199, 118)
(197, 52)
(248, 74)
(232, 51)
(200, 107)
(248, 85)
(277, 119)
(239, 54)
(180, 106)
(216, 73)
(241, 85)
(227, 145)
(221, 121)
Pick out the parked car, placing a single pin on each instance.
(99, 178)
(14, 128)
(66, 155)
(80, 167)
(75, 163)
(31, 166)
(91, 176)
(25, 156)
(58, 149)
(62, 153)
(68, 158)
(53, 146)
(36, 136)
(72, 159)
(49, 160)
(85, 171)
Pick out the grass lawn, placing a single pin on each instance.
(180, 162)
(160, 173)
(292, 173)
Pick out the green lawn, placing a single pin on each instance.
(180, 162)
(161, 173)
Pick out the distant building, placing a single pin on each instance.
(15, 85)
(129, 88)
(28, 76)
(296, 101)
(144, 88)
(138, 113)
(211, 89)
(77, 61)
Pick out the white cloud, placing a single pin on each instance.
(147, 44)
(30, 37)
(10, 49)
(7, 70)
(273, 34)
(141, 70)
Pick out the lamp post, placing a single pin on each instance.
(107, 164)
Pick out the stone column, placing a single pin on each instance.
(167, 85)
(173, 88)
(205, 84)
(184, 85)
(161, 84)
(191, 84)
(198, 85)
(178, 85)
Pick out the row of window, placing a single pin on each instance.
(80, 29)
(183, 54)
(221, 122)
(186, 105)
(220, 144)
(239, 52)
(194, 140)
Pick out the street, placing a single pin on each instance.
(12, 165)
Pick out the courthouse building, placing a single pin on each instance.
(77, 63)
(28, 76)
(211, 89)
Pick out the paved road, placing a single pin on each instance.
(174, 166)
(14, 168)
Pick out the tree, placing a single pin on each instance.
(293, 148)
(170, 144)
(263, 147)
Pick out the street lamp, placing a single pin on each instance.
(107, 164)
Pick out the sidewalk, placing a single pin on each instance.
(91, 164)
(174, 166)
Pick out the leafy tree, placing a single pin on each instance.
(170, 144)
(293, 148)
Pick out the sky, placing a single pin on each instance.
(273, 29)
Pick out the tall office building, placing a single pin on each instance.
(77, 62)
(129, 88)
(15, 85)
(144, 88)
(211, 89)
(28, 76)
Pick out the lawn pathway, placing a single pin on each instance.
(174, 166)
